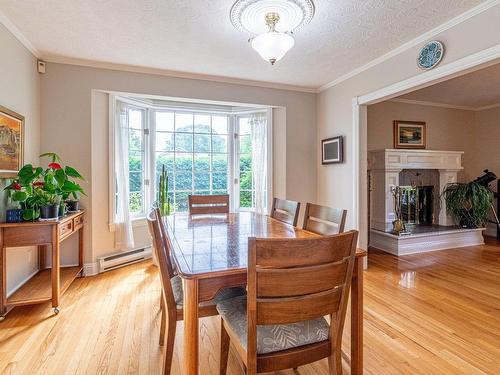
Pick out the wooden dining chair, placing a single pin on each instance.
(172, 293)
(324, 220)
(285, 211)
(208, 204)
(281, 324)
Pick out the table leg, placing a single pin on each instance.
(357, 318)
(190, 360)
(80, 249)
(41, 257)
(55, 271)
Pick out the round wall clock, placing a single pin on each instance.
(430, 55)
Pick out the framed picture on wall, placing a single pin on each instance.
(409, 134)
(11, 142)
(332, 150)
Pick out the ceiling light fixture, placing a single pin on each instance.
(260, 19)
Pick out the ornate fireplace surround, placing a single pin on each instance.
(385, 167)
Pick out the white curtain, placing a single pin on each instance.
(258, 123)
(124, 237)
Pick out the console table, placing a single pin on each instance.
(48, 284)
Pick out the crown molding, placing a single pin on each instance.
(414, 42)
(177, 74)
(434, 104)
(4, 20)
(486, 107)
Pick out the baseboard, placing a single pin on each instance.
(90, 269)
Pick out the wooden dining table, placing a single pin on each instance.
(210, 253)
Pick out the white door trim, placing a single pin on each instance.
(453, 69)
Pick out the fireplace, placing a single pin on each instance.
(417, 205)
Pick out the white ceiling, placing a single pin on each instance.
(476, 90)
(196, 36)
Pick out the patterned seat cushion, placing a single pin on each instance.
(223, 294)
(272, 338)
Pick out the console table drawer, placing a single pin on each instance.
(78, 222)
(27, 237)
(65, 229)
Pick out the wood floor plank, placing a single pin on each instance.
(434, 313)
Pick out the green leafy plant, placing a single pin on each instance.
(35, 187)
(163, 201)
(468, 203)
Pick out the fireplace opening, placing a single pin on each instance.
(417, 205)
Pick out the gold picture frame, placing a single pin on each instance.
(11, 142)
(410, 134)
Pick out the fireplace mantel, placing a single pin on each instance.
(399, 159)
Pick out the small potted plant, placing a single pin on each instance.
(468, 203)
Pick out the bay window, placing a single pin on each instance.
(204, 151)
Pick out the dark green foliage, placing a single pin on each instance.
(468, 203)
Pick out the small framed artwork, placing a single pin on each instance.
(409, 134)
(11, 142)
(332, 150)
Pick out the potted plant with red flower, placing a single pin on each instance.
(40, 192)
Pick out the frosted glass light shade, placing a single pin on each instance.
(272, 46)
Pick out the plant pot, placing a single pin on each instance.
(14, 216)
(73, 206)
(49, 211)
(63, 209)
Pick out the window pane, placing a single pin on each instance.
(134, 139)
(183, 142)
(202, 162)
(219, 124)
(165, 121)
(181, 202)
(202, 123)
(135, 181)
(201, 143)
(219, 143)
(135, 202)
(219, 163)
(202, 181)
(184, 122)
(219, 181)
(246, 199)
(167, 159)
(202, 192)
(134, 161)
(246, 180)
(135, 118)
(164, 141)
(183, 162)
(244, 126)
(183, 180)
(245, 144)
(245, 163)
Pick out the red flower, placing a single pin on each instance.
(38, 184)
(55, 166)
(16, 187)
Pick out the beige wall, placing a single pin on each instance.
(69, 108)
(20, 92)
(447, 129)
(335, 109)
(485, 140)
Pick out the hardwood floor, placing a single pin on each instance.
(436, 313)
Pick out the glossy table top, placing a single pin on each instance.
(208, 244)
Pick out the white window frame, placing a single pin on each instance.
(149, 142)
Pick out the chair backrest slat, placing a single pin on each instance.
(292, 280)
(324, 220)
(285, 211)
(208, 204)
(161, 247)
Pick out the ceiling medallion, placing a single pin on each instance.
(271, 23)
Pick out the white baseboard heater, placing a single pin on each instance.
(124, 258)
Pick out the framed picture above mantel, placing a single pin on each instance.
(11, 142)
(332, 150)
(409, 134)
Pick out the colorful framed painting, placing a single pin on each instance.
(332, 150)
(11, 142)
(409, 134)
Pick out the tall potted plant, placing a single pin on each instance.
(468, 203)
(163, 201)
